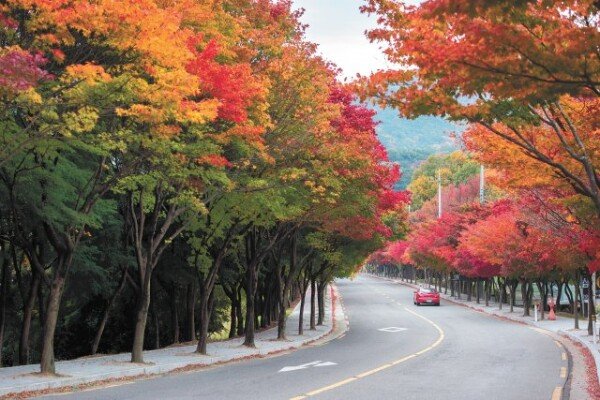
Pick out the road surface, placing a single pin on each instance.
(393, 350)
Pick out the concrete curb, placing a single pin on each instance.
(147, 371)
(594, 352)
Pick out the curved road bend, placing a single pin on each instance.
(446, 352)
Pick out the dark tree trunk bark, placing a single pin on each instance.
(469, 284)
(155, 319)
(153, 231)
(486, 292)
(305, 283)
(143, 305)
(559, 289)
(313, 295)
(513, 293)
(446, 278)
(543, 289)
(284, 292)
(175, 314)
(4, 293)
(232, 320)
(301, 316)
(502, 290)
(204, 322)
(526, 293)
(191, 312)
(321, 302)
(240, 316)
(591, 307)
(577, 300)
(65, 258)
(251, 281)
(254, 258)
(207, 285)
(104, 320)
(27, 315)
(231, 294)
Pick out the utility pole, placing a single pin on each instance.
(482, 185)
(439, 194)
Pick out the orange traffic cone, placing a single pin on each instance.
(551, 314)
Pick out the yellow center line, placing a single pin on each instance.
(557, 393)
(382, 367)
(563, 370)
(335, 385)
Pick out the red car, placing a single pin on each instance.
(426, 296)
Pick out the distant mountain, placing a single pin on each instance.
(411, 141)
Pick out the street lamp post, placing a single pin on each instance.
(439, 194)
(482, 184)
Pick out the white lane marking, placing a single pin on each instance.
(392, 329)
(325, 364)
(307, 365)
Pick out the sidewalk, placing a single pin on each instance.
(561, 326)
(83, 372)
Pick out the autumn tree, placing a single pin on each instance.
(524, 74)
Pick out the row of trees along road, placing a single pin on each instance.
(167, 167)
(525, 79)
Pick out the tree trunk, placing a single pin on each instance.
(232, 320)
(27, 314)
(313, 294)
(64, 261)
(174, 314)
(4, 289)
(576, 302)
(231, 294)
(104, 320)
(155, 321)
(321, 302)
(543, 289)
(486, 292)
(469, 289)
(191, 312)
(251, 281)
(47, 361)
(559, 289)
(301, 316)
(205, 299)
(513, 293)
(143, 304)
(240, 316)
(525, 297)
(447, 277)
(591, 307)
(502, 290)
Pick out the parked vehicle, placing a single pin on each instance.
(426, 296)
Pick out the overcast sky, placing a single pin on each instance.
(338, 27)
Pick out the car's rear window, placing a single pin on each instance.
(428, 290)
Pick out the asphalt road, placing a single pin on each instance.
(446, 352)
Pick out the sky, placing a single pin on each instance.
(338, 27)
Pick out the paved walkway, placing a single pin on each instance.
(84, 371)
(562, 325)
